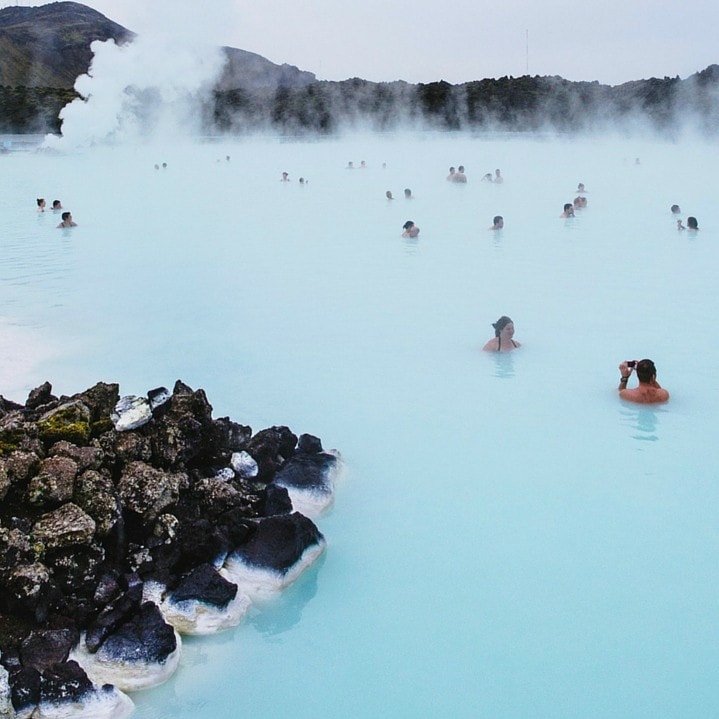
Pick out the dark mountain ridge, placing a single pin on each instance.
(44, 49)
(49, 46)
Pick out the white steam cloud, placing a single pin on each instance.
(151, 87)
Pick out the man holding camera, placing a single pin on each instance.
(649, 390)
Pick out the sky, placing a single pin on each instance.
(611, 41)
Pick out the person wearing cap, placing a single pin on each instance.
(649, 391)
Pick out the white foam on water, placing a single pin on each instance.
(128, 676)
(105, 704)
(263, 584)
(194, 618)
(313, 503)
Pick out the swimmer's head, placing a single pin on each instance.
(500, 324)
(692, 223)
(675, 210)
(407, 192)
(40, 201)
(646, 370)
(460, 168)
(408, 225)
(498, 221)
(568, 206)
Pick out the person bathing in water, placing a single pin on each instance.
(67, 220)
(503, 336)
(410, 229)
(498, 223)
(649, 390)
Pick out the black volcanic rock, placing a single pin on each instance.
(204, 584)
(64, 682)
(143, 637)
(43, 648)
(24, 687)
(278, 542)
(91, 514)
(309, 467)
(115, 613)
(270, 448)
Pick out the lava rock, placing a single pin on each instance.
(66, 526)
(270, 447)
(278, 542)
(64, 682)
(143, 637)
(40, 396)
(204, 584)
(147, 491)
(44, 648)
(53, 484)
(115, 613)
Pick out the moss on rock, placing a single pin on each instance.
(69, 422)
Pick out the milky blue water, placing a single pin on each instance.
(510, 539)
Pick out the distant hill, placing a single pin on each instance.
(49, 46)
(44, 49)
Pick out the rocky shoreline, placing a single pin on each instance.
(126, 522)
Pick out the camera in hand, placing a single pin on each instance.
(631, 363)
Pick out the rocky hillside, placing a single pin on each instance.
(49, 46)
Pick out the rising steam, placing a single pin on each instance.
(152, 86)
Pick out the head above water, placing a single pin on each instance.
(40, 201)
(498, 221)
(692, 223)
(646, 370)
(501, 323)
(675, 210)
(408, 225)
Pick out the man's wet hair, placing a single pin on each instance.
(645, 370)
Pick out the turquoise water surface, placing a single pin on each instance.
(509, 539)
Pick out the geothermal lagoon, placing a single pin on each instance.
(509, 539)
